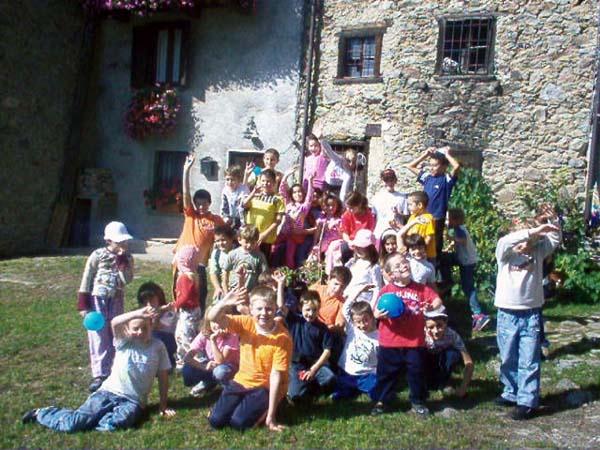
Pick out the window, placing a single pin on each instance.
(166, 193)
(359, 57)
(466, 46)
(160, 54)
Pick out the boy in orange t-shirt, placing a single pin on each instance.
(332, 300)
(265, 356)
(198, 229)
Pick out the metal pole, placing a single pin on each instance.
(311, 39)
(594, 145)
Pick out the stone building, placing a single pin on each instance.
(508, 85)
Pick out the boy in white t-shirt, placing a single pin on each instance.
(389, 205)
(358, 362)
(121, 399)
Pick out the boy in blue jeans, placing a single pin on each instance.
(313, 343)
(122, 397)
(437, 184)
(519, 299)
(465, 257)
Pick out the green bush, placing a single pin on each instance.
(568, 207)
(483, 219)
(581, 276)
(581, 273)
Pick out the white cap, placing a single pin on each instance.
(116, 232)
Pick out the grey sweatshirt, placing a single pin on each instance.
(519, 279)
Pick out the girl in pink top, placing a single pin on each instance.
(315, 163)
(329, 224)
(297, 206)
(213, 357)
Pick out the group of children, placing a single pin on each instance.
(261, 341)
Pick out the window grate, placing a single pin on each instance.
(467, 46)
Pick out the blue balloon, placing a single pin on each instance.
(257, 170)
(392, 303)
(93, 321)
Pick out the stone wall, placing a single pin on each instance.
(528, 121)
(242, 87)
(40, 58)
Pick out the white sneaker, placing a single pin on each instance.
(198, 389)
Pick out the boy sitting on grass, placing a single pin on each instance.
(358, 362)
(121, 399)
(265, 352)
(445, 349)
(313, 344)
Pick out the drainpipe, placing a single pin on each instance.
(593, 153)
(311, 40)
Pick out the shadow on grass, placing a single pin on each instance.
(569, 400)
(580, 347)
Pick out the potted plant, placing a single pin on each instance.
(165, 198)
(152, 111)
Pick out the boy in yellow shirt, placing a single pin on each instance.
(420, 222)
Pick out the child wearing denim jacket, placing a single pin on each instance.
(107, 271)
(519, 299)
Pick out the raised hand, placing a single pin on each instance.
(189, 160)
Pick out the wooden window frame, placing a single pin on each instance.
(144, 54)
(376, 32)
(491, 41)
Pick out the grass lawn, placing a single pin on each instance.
(44, 361)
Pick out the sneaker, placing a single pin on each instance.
(420, 409)
(30, 416)
(480, 321)
(96, 383)
(198, 389)
(501, 401)
(377, 409)
(522, 413)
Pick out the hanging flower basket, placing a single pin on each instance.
(152, 112)
(146, 7)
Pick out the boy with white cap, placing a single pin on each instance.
(445, 350)
(107, 271)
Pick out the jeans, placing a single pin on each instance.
(391, 362)
(102, 410)
(223, 373)
(439, 367)
(349, 386)
(239, 407)
(170, 343)
(467, 279)
(324, 378)
(518, 335)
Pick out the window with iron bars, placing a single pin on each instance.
(466, 46)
